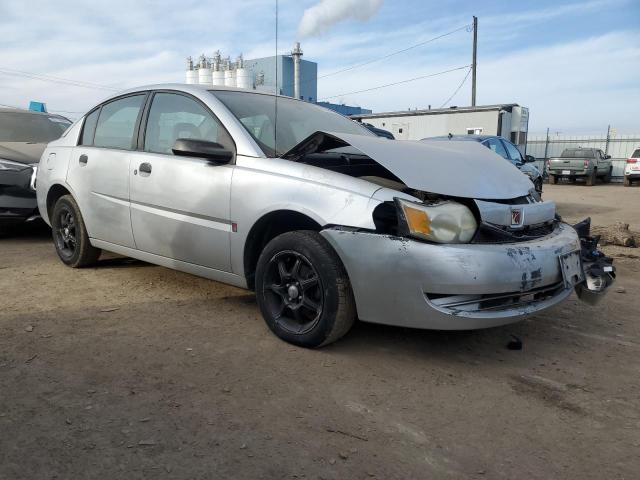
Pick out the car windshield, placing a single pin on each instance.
(296, 120)
(31, 127)
(636, 154)
(577, 153)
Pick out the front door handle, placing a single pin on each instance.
(83, 159)
(145, 168)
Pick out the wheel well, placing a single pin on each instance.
(55, 192)
(265, 230)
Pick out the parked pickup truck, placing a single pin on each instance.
(588, 163)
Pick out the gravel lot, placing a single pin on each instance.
(132, 371)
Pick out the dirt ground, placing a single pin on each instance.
(133, 371)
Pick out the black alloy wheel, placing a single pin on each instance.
(293, 292)
(303, 290)
(65, 232)
(70, 235)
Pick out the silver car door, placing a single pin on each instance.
(180, 205)
(99, 169)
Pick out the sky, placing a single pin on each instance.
(575, 64)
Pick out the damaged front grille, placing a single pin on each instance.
(488, 233)
(455, 303)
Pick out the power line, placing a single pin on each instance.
(358, 65)
(400, 82)
(457, 89)
(51, 78)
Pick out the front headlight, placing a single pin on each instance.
(446, 222)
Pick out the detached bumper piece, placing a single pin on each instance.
(598, 268)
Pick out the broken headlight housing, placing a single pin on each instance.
(446, 222)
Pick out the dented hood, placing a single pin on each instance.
(459, 169)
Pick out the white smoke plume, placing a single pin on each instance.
(325, 14)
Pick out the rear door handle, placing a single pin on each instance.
(83, 159)
(145, 168)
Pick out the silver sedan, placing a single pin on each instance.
(325, 221)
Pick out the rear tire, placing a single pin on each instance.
(70, 235)
(627, 181)
(303, 290)
(553, 179)
(591, 179)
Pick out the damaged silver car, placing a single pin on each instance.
(325, 221)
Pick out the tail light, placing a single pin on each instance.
(632, 160)
(586, 164)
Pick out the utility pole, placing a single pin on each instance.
(474, 62)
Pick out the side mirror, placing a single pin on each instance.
(607, 157)
(529, 158)
(188, 147)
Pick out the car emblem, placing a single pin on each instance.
(516, 217)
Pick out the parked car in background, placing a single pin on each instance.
(632, 168)
(380, 132)
(23, 137)
(587, 163)
(506, 150)
(324, 220)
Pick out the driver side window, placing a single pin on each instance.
(173, 116)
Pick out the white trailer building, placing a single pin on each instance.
(508, 120)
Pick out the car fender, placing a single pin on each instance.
(261, 186)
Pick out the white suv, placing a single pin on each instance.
(632, 168)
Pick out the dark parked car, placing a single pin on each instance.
(23, 137)
(379, 131)
(505, 149)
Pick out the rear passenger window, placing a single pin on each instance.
(117, 123)
(173, 116)
(89, 127)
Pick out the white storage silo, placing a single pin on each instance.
(217, 75)
(229, 73)
(192, 75)
(204, 72)
(229, 78)
(243, 75)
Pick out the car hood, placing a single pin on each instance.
(454, 168)
(22, 152)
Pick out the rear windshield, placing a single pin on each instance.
(31, 127)
(577, 153)
(636, 154)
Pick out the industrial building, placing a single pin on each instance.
(508, 120)
(288, 75)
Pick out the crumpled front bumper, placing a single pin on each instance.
(398, 281)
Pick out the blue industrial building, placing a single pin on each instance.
(264, 70)
(345, 109)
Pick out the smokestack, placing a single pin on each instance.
(296, 53)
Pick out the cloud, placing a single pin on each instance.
(324, 15)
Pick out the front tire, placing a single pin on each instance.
(303, 290)
(607, 177)
(70, 235)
